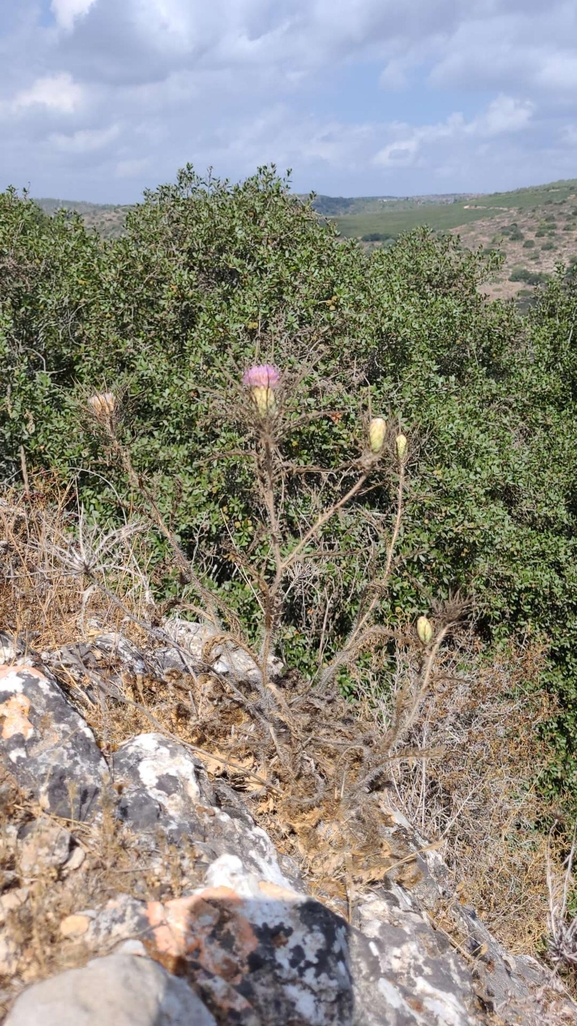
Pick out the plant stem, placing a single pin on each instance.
(352, 642)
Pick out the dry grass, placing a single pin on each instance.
(453, 744)
(44, 599)
(475, 790)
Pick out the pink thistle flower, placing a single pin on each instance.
(262, 376)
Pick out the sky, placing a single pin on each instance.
(100, 99)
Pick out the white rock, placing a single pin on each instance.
(226, 657)
(8, 956)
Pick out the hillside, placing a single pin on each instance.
(391, 216)
(107, 218)
(533, 228)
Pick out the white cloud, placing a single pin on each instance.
(558, 72)
(504, 115)
(131, 168)
(85, 140)
(67, 11)
(56, 92)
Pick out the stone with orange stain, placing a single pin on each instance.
(7, 671)
(14, 713)
(193, 927)
(274, 891)
(49, 747)
(257, 954)
(74, 926)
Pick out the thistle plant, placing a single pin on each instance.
(272, 474)
(425, 630)
(286, 539)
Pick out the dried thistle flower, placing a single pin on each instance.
(377, 432)
(262, 380)
(103, 406)
(425, 630)
(401, 444)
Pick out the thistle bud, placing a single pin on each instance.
(103, 406)
(377, 432)
(425, 630)
(401, 444)
(264, 399)
(262, 381)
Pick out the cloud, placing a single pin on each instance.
(67, 11)
(85, 140)
(360, 96)
(56, 92)
(504, 115)
(131, 168)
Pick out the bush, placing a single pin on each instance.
(528, 244)
(376, 237)
(548, 246)
(210, 278)
(530, 277)
(515, 234)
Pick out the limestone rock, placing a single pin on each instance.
(47, 746)
(123, 918)
(165, 790)
(11, 900)
(8, 955)
(406, 973)
(272, 957)
(12, 648)
(75, 925)
(85, 661)
(121, 990)
(225, 657)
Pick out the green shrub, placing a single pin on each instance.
(376, 237)
(528, 244)
(530, 277)
(548, 246)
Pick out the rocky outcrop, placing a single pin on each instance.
(230, 934)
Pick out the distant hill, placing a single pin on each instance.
(344, 206)
(107, 218)
(534, 228)
(394, 215)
